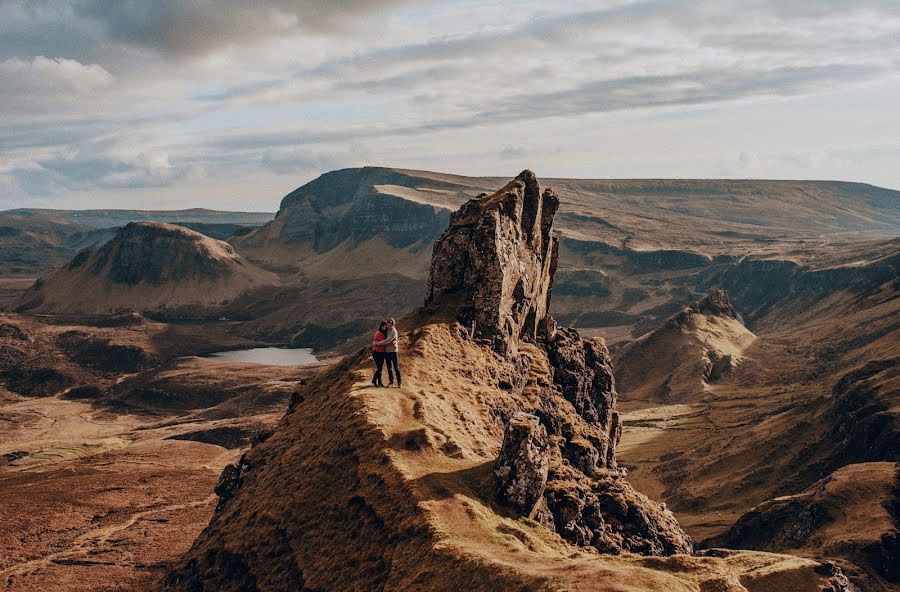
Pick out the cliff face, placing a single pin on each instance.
(495, 263)
(492, 269)
(350, 205)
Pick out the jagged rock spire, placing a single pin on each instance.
(494, 265)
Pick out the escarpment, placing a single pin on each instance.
(493, 467)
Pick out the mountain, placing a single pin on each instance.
(494, 466)
(147, 266)
(632, 252)
(35, 241)
(691, 349)
(641, 216)
(353, 246)
(811, 406)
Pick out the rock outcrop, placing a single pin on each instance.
(715, 303)
(582, 370)
(147, 266)
(494, 265)
(521, 468)
(493, 268)
(606, 513)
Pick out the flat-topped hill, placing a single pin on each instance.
(408, 206)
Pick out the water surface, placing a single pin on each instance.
(272, 356)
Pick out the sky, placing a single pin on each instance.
(231, 104)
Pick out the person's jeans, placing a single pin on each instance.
(379, 363)
(393, 366)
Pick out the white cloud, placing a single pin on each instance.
(42, 76)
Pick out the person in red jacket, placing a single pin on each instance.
(378, 353)
(390, 351)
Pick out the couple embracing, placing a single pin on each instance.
(384, 349)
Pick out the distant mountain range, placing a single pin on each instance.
(354, 245)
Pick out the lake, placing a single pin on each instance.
(272, 356)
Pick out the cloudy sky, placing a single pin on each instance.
(230, 104)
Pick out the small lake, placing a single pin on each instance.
(272, 356)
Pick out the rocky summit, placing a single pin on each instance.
(494, 466)
(495, 263)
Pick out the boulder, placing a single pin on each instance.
(230, 482)
(521, 468)
(606, 513)
(493, 267)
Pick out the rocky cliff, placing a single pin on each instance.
(493, 467)
(493, 269)
(147, 266)
(494, 265)
(353, 206)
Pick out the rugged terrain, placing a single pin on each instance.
(808, 399)
(354, 246)
(494, 465)
(632, 252)
(752, 329)
(111, 441)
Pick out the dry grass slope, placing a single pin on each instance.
(373, 489)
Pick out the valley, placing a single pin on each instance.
(752, 332)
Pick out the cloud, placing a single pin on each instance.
(115, 96)
(174, 28)
(513, 153)
(47, 78)
(686, 89)
(690, 89)
(86, 171)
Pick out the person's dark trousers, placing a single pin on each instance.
(393, 366)
(379, 363)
